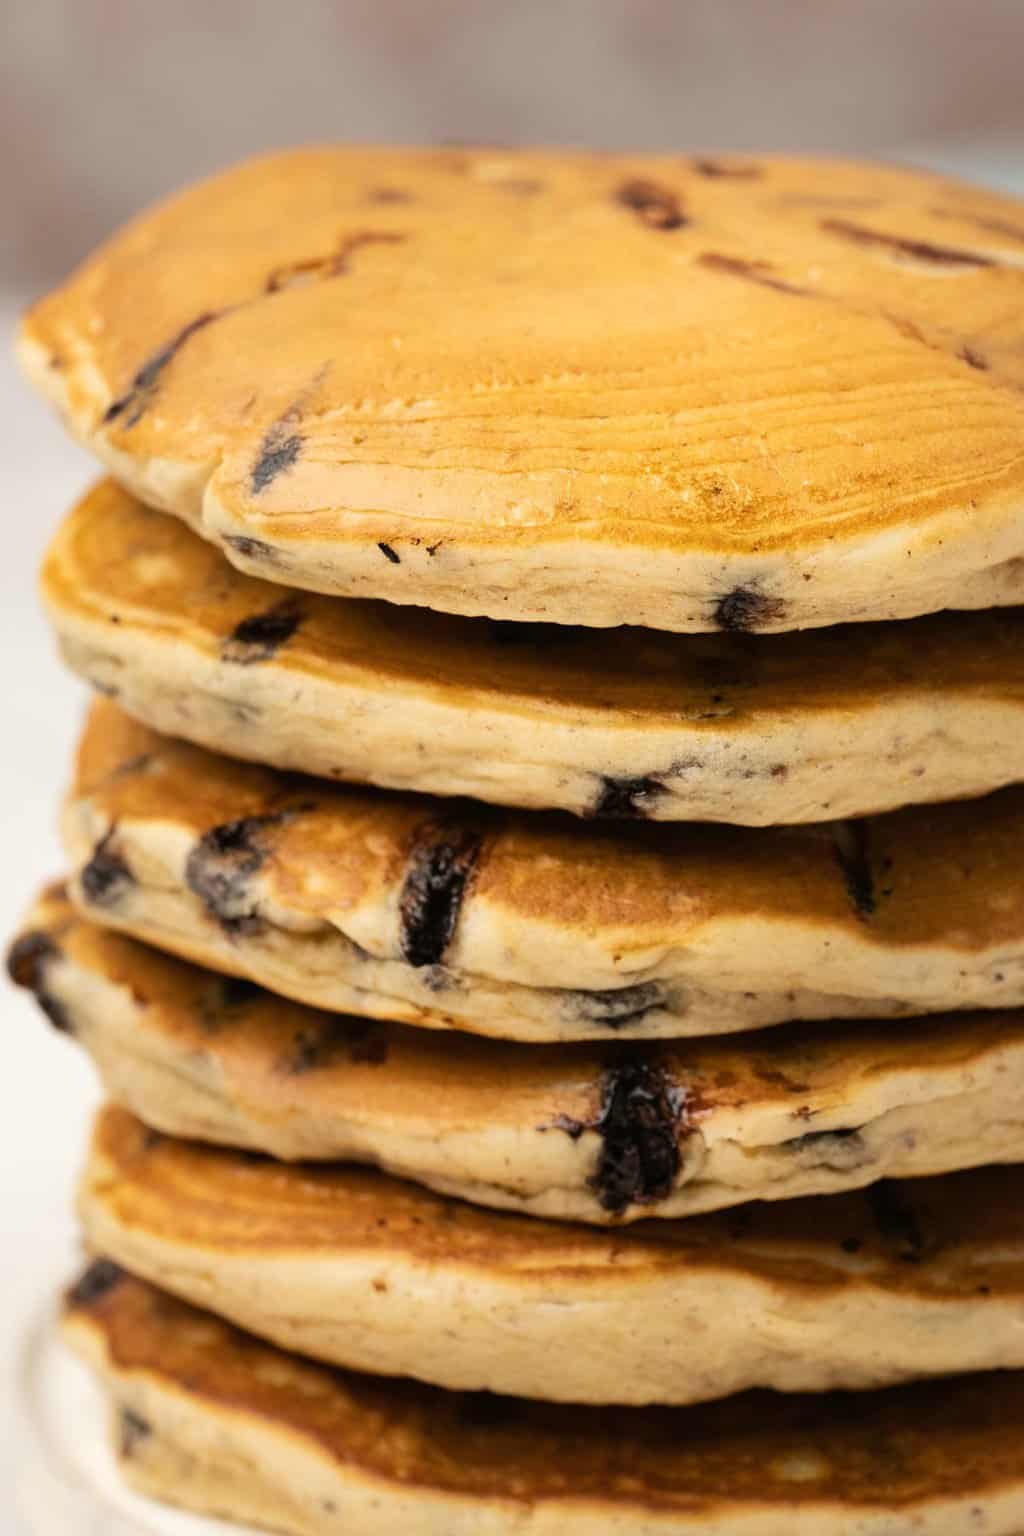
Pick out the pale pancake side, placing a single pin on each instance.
(551, 385)
(753, 730)
(454, 915)
(599, 1133)
(206, 1416)
(924, 1278)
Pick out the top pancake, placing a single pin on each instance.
(583, 388)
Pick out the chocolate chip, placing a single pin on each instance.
(252, 549)
(442, 861)
(919, 250)
(220, 866)
(132, 1430)
(278, 452)
(137, 397)
(745, 609)
(658, 207)
(101, 1277)
(618, 1006)
(106, 877)
(718, 170)
(853, 858)
(27, 962)
(573, 1128)
(261, 636)
(632, 798)
(754, 271)
(238, 992)
(638, 1126)
(973, 358)
(389, 554)
(28, 957)
(320, 268)
(896, 1220)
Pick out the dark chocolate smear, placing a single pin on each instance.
(106, 877)
(627, 798)
(638, 1126)
(101, 1277)
(853, 858)
(138, 396)
(220, 866)
(441, 865)
(745, 609)
(919, 250)
(656, 206)
(260, 637)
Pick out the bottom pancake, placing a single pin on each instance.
(207, 1417)
(346, 1265)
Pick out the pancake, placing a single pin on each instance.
(786, 728)
(861, 1290)
(558, 386)
(584, 1132)
(206, 1416)
(532, 927)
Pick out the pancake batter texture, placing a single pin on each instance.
(545, 867)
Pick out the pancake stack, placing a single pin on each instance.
(546, 860)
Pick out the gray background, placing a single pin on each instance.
(105, 104)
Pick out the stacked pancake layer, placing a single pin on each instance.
(479, 1155)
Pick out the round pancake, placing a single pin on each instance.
(593, 1133)
(785, 728)
(206, 1416)
(358, 1269)
(585, 388)
(532, 927)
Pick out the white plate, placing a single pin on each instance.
(67, 1480)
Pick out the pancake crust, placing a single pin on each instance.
(594, 1133)
(206, 1416)
(790, 728)
(530, 927)
(586, 388)
(908, 1280)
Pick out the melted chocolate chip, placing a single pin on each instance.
(106, 877)
(132, 1430)
(101, 1277)
(754, 271)
(220, 866)
(311, 1047)
(441, 865)
(252, 549)
(719, 170)
(638, 1126)
(656, 206)
(262, 636)
(321, 268)
(632, 798)
(238, 992)
(27, 962)
(745, 609)
(896, 1220)
(389, 554)
(137, 397)
(853, 858)
(619, 1006)
(918, 250)
(28, 957)
(973, 358)
(278, 452)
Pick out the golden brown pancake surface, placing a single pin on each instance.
(451, 914)
(313, 1442)
(923, 1277)
(754, 730)
(598, 1133)
(553, 385)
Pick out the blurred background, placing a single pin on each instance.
(106, 104)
